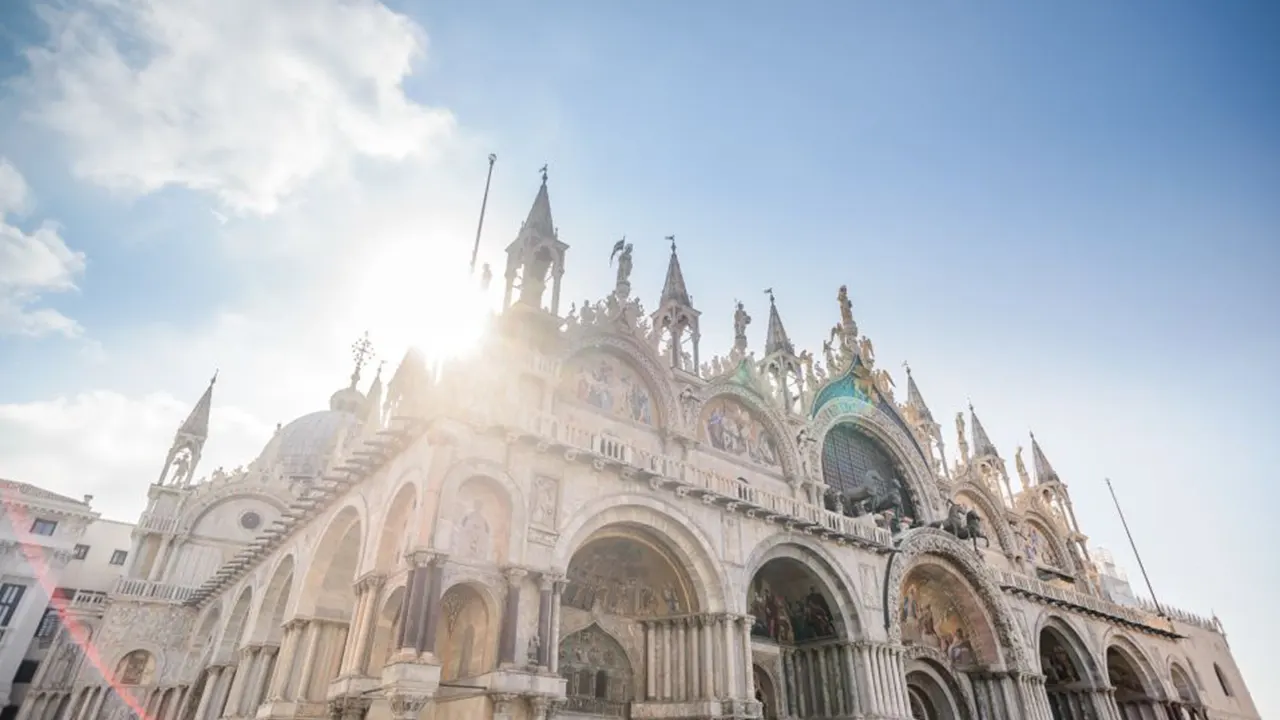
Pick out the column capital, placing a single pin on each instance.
(348, 707)
(296, 623)
(371, 580)
(424, 556)
(548, 579)
(514, 574)
(502, 702)
(406, 706)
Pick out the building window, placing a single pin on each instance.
(81, 552)
(1222, 680)
(26, 671)
(10, 596)
(118, 556)
(48, 626)
(43, 527)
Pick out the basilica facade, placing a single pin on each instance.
(588, 518)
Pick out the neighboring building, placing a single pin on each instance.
(53, 546)
(1115, 582)
(584, 519)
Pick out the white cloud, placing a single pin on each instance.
(32, 264)
(110, 445)
(245, 99)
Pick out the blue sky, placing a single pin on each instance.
(1069, 215)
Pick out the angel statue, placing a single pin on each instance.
(866, 350)
(1022, 468)
(622, 251)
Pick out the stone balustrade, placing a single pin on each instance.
(156, 522)
(1135, 617)
(147, 590)
(1178, 615)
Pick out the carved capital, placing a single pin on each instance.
(422, 557)
(406, 706)
(347, 707)
(504, 703)
(514, 574)
(370, 581)
(549, 580)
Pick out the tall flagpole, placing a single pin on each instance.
(1134, 547)
(475, 250)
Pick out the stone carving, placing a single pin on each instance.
(962, 441)
(406, 706)
(544, 500)
(472, 539)
(870, 585)
(964, 523)
(535, 645)
(1022, 468)
(622, 251)
(618, 576)
(930, 541)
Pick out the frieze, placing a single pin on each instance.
(928, 541)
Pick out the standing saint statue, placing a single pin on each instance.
(622, 251)
(964, 443)
(740, 322)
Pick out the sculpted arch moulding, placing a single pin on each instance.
(788, 456)
(1139, 658)
(643, 360)
(865, 417)
(995, 513)
(1074, 636)
(685, 538)
(929, 541)
(819, 561)
(1052, 533)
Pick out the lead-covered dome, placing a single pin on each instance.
(304, 446)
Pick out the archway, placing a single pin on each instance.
(468, 643)
(766, 693)
(623, 581)
(598, 674)
(385, 630)
(792, 606)
(1134, 698)
(136, 668)
(1188, 705)
(1068, 681)
(860, 470)
(235, 628)
(932, 693)
(327, 598)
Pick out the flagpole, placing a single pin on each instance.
(475, 250)
(1133, 546)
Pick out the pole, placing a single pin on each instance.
(475, 250)
(1133, 546)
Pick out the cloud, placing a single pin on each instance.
(110, 445)
(245, 99)
(32, 264)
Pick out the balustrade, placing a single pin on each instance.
(146, 589)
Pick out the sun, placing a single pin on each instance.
(428, 300)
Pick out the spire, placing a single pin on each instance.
(538, 225)
(915, 400)
(1044, 471)
(373, 401)
(674, 288)
(196, 426)
(981, 443)
(776, 339)
(536, 256)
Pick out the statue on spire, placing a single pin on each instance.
(740, 322)
(622, 251)
(543, 171)
(1022, 468)
(964, 442)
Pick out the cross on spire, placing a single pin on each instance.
(543, 170)
(672, 239)
(769, 292)
(361, 351)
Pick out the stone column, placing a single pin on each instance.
(510, 617)
(553, 651)
(241, 674)
(731, 665)
(284, 661)
(708, 658)
(433, 582)
(855, 685)
(373, 583)
(748, 668)
(824, 682)
(348, 660)
(545, 586)
(650, 660)
(664, 643)
(411, 609)
(312, 635)
(682, 661)
(212, 680)
(258, 688)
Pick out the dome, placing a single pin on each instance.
(304, 446)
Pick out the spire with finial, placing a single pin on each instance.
(981, 443)
(776, 339)
(197, 423)
(915, 401)
(535, 254)
(361, 351)
(1044, 471)
(188, 442)
(676, 320)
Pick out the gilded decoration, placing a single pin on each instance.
(609, 384)
(931, 618)
(731, 428)
(786, 605)
(626, 576)
(1038, 548)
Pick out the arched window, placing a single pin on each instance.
(135, 668)
(1222, 680)
(852, 461)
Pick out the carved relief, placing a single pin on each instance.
(609, 384)
(622, 576)
(870, 578)
(543, 501)
(728, 426)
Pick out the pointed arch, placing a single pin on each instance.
(917, 477)
(932, 545)
(598, 670)
(820, 563)
(684, 537)
(640, 358)
(1184, 689)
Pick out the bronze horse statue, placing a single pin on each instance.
(964, 524)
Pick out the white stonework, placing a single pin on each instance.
(585, 519)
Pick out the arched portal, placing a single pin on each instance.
(942, 614)
(622, 583)
(792, 606)
(932, 693)
(1133, 697)
(766, 694)
(1067, 680)
(854, 464)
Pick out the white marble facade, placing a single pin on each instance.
(585, 519)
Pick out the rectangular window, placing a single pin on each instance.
(10, 596)
(43, 527)
(48, 626)
(118, 557)
(81, 552)
(26, 671)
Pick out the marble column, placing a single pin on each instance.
(748, 671)
(433, 582)
(241, 675)
(731, 663)
(266, 663)
(682, 660)
(411, 609)
(651, 660)
(373, 583)
(545, 585)
(510, 617)
(553, 651)
(311, 643)
(280, 675)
